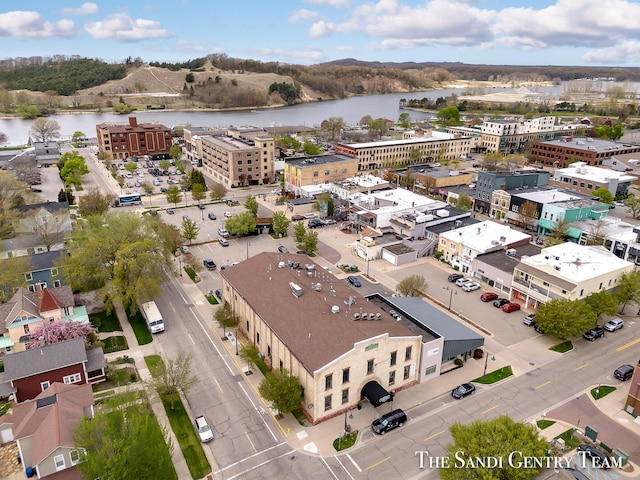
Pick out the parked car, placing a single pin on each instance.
(209, 264)
(315, 223)
(185, 218)
(283, 249)
(623, 372)
(537, 328)
(394, 314)
(499, 302)
(488, 296)
(212, 216)
(454, 277)
(330, 221)
(597, 456)
(219, 292)
(204, 430)
(223, 233)
(461, 281)
(510, 307)
(228, 214)
(354, 281)
(310, 215)
(463, 390)
(529, 320)
(170, 211)
(593, 334)
(224, 242)
(614, 324)
(184, 249)
(470, 286)
(476, 165)
(296, 218)
(389, 421)
(201, 206)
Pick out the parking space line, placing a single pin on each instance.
(434, 435)
(489, 409)
(630, 344)
(377, 463)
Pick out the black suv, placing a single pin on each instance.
(597, 456)
(315, 223)
(593, 334)
(500, 302)
(623, 372)
(454, 276)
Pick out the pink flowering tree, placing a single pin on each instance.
(59, 332)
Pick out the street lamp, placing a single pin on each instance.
(486, 360)
(248, 250)
(452, 292)
(202, 211)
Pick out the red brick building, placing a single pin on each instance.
(592, 151)
(124, 140)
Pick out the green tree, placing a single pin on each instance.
(44, 129)
(174, 195)
(604, 195)
(198, 193)
(122, 254)
(175, 152)
(602, 302)
(225, 317)
(131, 167)
(280, 223)
(493, 438)
(563, 318)
(78, 139)
(251, 204)
(491, 161)
(299, 231)
(164, 164)
(73, 169)
(190, 230)
(250, 354)
(378, 126)
(309, 243)
(628, 289)
(94, 202)
(66, 195)
(412, 286)
(174, 378)
(404, 120)
(282, 390)
(125, 442)
(218, 191)
(12, 277)
(311, 148)
(449, 116)
(241, 224)
(463, 202)
(633, 206)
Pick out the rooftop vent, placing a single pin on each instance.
(335, 309)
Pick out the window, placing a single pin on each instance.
(75, 378)
(345, 375)
(59, 461)
(315, 174)
(369, 367)
(345, 396)
(269, 351)
(26, 329)
(407, 353)
(328, 382)
(392, 378)
(258, 338)
(430, 370)
(28, 277)
(406, 372)
(327, 403)
(247, 326)
(281, 365)
(392, 361)
(54, 272)
(44, 385)
(77, 455)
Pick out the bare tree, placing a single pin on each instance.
(598, 233)
(48, 227)
(527, 215)
(175, 377)
(412, 286)
(44, 129)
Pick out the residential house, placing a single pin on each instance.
(462, 245)
(117, 140)
(322, 331)
(32, 371)
(44, 273)
(489, 182)
(27, 310)
(589, 151)
(580, 177)
(43, 429)
(566, 271)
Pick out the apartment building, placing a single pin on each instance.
(489, 182)
(118, 140)
(580, 177)
(317, 170)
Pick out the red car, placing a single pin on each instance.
(510, 307)
(488, 296)
(296, 218)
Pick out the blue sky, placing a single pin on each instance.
(540, 32)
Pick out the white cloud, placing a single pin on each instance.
(625, 52)
(323, 28)
(123, 28)
(330, 3)
(31, 25)
(303, 14)
(87, 8)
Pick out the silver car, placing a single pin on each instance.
(204, 430)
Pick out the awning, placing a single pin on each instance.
(376, 393)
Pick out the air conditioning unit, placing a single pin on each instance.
(356, 316)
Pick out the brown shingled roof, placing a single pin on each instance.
(314, 334)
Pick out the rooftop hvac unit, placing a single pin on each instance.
(378, 316)
(442, 213)
(364, 316)
(557, 267)
(503, 239)
(317, 286)
(335, 309)
(356, 316)
(281, 264)
(372, 316)
(295, 289)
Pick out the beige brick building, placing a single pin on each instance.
(316, 170)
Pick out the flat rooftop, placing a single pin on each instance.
(310, 162)
(485, 236)
(434, 137)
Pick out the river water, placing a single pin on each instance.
(308, 114)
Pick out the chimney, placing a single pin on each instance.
(39, 290)
(133, 122)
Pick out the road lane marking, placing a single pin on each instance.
(231, 465)
(252, 445)
(241, 474)
(275, 439)
(343, 467)
(190, 338)
(378, 463)
(489, 409)
(630, 344)
(580, 367)
(434, 435)
(543, 384)
(354, 463)
(326, 465)
(218, 384)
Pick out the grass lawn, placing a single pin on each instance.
(139, 325)
(344, 443)
(495, 376)
(601, 391)
(191, 272)
(542, 424)
(187, 438)
(570, 440)
(114, 344)
(155, 363)
(117, 377)
(104, 322)
(562, 347)
(212, 299)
